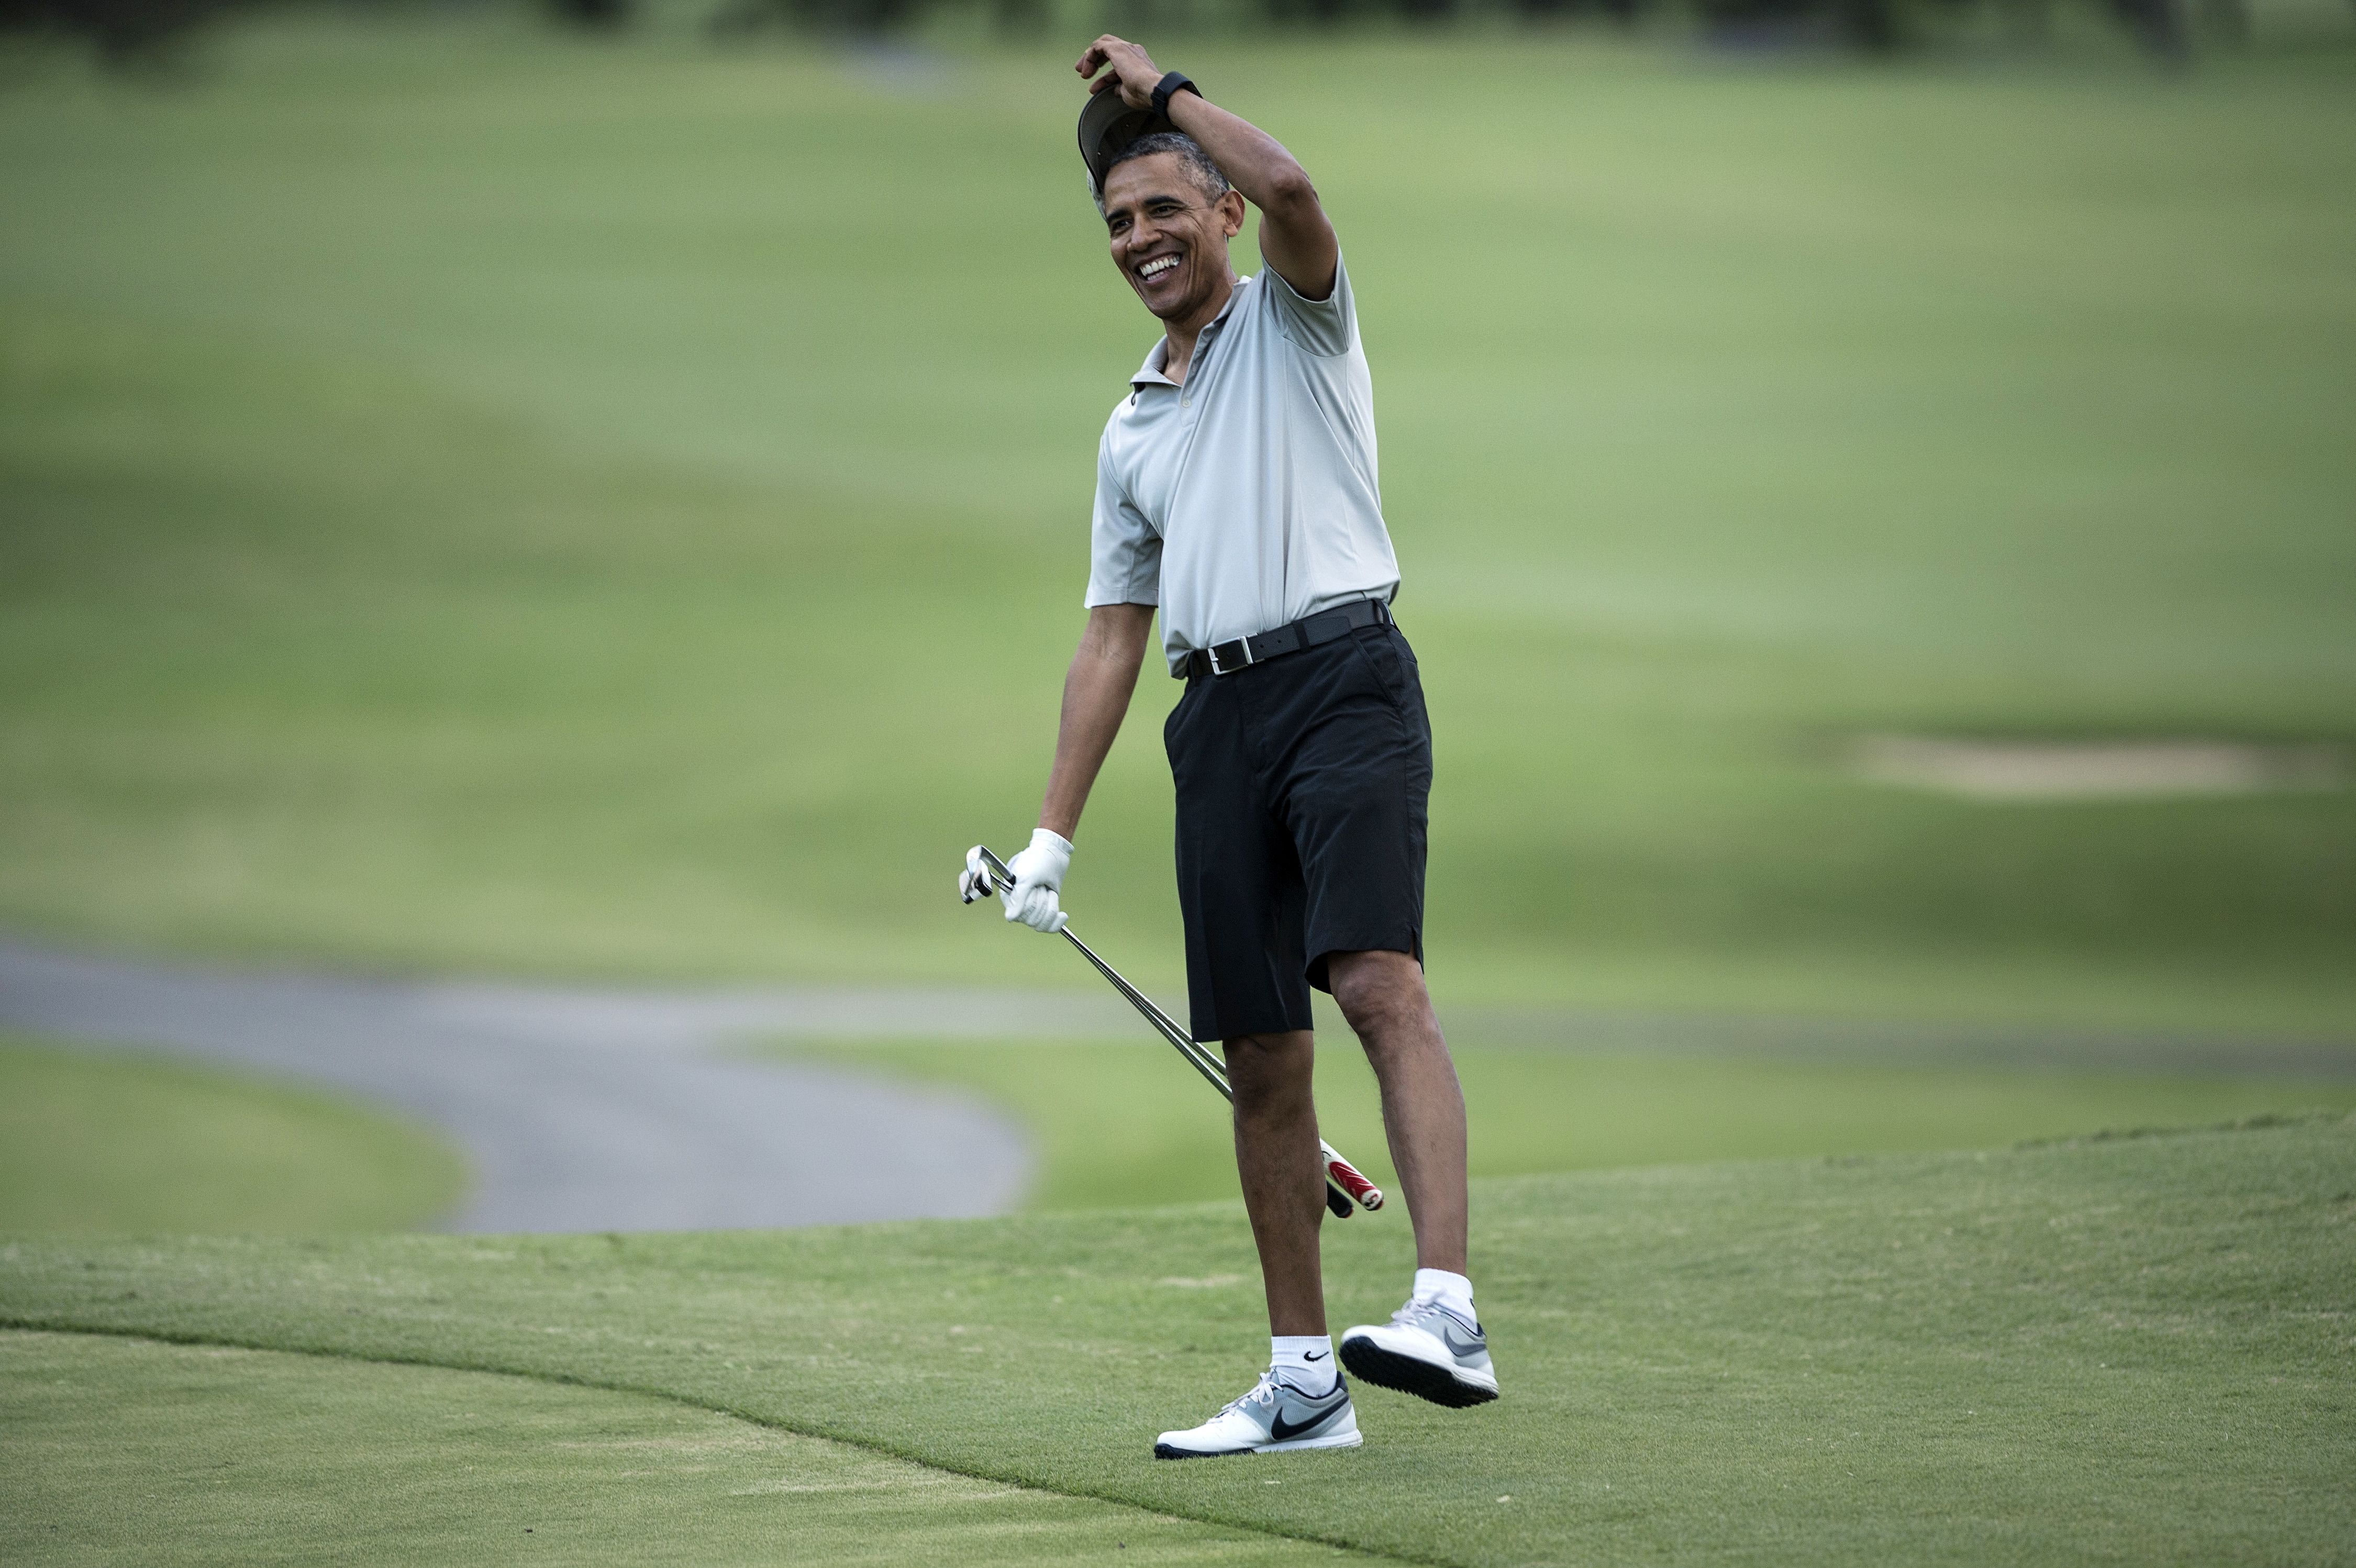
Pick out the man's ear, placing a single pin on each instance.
(1231, 210)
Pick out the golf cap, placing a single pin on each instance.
(1107, 126)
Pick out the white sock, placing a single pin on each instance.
(1303, 1361)
(1453, 1291)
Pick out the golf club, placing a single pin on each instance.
(986, 873)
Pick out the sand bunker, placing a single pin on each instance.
(1982, 769)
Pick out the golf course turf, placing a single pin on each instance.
(479, 501)
(629, 517)
(1121, 1122)
(129, 1143)
(187, 1453)
(2131, 1350)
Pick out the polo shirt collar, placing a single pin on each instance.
(1150, 374)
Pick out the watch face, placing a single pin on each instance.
(1107, 125)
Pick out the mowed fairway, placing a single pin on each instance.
(1125, 1122)
(2134, 1350)
(473, 499)
(121, 1143)
(126, 1450)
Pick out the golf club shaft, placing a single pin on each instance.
(1340, 1173)
(1202, 1061)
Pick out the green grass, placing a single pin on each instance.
(469, 499)
(94, 1143)
(2130, 1350)
(130, 1451)
(1123, 1123)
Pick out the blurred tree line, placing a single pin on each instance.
(2165, 28)
(132, 33)
(123, 33)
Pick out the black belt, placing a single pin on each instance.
(1227, 658)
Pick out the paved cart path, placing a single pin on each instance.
(589, 1108)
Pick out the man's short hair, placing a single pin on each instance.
(1192, 161)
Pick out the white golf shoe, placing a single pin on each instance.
(1274, 1418)
(1425, 1351)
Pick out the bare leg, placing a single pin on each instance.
(1382, 995)
(1283, 1173)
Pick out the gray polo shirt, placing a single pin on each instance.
(1247, 498)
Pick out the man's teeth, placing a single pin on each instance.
(1157, 266)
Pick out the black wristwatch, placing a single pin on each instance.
(1169, 87)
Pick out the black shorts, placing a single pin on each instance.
(1302, 785)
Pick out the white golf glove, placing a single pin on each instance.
(1038, 880)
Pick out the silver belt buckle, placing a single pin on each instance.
(1220, 667)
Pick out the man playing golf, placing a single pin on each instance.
(1236, 490)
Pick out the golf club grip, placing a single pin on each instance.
(1340, 1172)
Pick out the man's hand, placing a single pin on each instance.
(1294, 234)
(1131, 72)
(1038, 879)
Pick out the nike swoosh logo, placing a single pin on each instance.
(1283, 1431)
(1460, 1346)
(1314, 1355)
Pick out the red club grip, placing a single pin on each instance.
(1346, 1176)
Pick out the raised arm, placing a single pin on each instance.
(1294, 233)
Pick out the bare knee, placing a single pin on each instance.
(1271, 1074)
(1380, 993)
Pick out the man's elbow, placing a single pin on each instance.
(1290, 190)
(1117, 633)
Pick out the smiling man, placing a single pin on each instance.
(1236, 490)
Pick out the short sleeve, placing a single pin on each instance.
(1124, 553)
(1324, 327)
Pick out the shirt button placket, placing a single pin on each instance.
(1202, 352)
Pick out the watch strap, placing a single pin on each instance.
(1169, 87)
